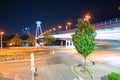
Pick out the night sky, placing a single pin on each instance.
(18, 14)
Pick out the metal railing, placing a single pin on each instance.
(108, 22)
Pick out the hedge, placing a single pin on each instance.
(113, 76)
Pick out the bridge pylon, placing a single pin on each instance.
(38, 33)
(38, 29)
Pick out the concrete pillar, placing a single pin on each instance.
(61, 43)
(72, 43)
(66, 42)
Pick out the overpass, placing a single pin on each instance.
(108, 32)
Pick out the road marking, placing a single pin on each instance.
(76, 74)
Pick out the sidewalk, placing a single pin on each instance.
(99, 70)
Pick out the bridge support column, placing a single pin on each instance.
(69, 43)
(66, 43)
(61, 43)
(72, 43)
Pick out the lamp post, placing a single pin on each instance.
(50, 30)
(119, 8)
(59, 27)
(53, 29)
(87, 17)
(1, 33)
(68, 25)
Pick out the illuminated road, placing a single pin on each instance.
(54, 67)
(57, 66)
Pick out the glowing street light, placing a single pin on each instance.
(59, 27)
(1, 33)
(119, 8)
(87, 17)
(68, 25)
(50, 30)
(53, 29)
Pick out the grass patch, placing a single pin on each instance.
(86, 70)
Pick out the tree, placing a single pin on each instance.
(83, 39)
(31, 39)
(48, 39)
(16, 40)
(24, 36)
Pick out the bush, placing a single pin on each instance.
(113, 76)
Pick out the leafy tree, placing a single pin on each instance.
(24, 36)
(31, 39)
(16, 40)
(48, 39)
(83, 39)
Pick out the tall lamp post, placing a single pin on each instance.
(50, 30)
(1, 33)
(60, 27)
(68, 25)
(87, 17)
(54, 29)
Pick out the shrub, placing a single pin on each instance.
(113, 76)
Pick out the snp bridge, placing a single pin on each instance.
(108, 33)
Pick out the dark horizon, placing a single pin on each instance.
(16, 15)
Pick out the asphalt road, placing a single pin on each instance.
(55, 66)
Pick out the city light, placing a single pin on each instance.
(54, 29)
(119, 8)
(50, 30)
(1, 33)
(87, 17)
(59, 27)
(68, 25)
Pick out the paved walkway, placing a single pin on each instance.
(99, 70)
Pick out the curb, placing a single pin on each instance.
(72, 68)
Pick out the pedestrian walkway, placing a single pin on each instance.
(97, 71)
(55, 72)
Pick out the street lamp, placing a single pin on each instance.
(87, 17)
(50, 30)
(1, 33)
(119, 8)
(68, 25)
(59, 27)
(54, 29)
